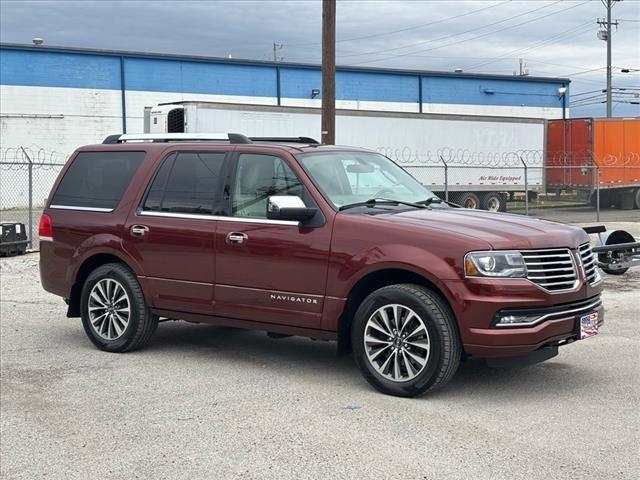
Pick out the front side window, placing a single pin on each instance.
(97, 180)
(257, 178)
(187, 182)
(350, 177)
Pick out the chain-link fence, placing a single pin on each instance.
(26, 177)
(562, 186)
(568, 189)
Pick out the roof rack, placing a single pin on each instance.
(308, 140)
(176, 137)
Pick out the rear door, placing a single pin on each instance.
(268, 270)
(172, 233)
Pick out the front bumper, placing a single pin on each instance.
(477, 304)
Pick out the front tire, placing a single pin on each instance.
(405, 340)
(115, 315)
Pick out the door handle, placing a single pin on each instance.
(139, 230)
(236, 238)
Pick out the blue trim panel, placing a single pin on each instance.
(198, 77)
(367, 86)
(490, 92)
(100, 71)
(46, 69)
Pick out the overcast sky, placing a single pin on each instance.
(555, 38)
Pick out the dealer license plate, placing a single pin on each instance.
(588, 325)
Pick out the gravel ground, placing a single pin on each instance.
(208, 402)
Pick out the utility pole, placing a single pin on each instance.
(606, 35)
(523, 70)
(276, 47)
(328, 123)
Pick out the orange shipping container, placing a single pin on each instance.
(613, 145)
(616, 149)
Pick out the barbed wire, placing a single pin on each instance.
(586, 157)
(18, 158)
(453, 156)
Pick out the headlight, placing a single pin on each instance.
(505, 264)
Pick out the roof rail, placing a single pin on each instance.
(177, 137)
(285, 139)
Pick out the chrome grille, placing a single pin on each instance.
(552, 269)
(589, 263)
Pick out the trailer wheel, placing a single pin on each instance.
(613, 238)
(637, 198)
(494, 202)
(470, 200)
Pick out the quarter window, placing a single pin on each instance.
(187, 182)
(97, 179)
(257, 178)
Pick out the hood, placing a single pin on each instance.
(500, 230)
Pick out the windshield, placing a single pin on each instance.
(346, 178)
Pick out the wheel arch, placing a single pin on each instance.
(88, 265)
(373, 281)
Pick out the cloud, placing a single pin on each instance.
(554, 38)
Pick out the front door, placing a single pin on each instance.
(172, 234)
(266, 270)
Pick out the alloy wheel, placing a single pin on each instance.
(109, 309)
(396, 342)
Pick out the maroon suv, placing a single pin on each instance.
(295, 238)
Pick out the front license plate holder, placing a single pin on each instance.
(588, 325)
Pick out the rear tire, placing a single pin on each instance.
(636, 196)
(421, 350)
(493, 202)
(470, 200)
(115, 315)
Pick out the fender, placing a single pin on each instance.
(406, 257)
(103, 243)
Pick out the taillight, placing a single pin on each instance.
(45, 230)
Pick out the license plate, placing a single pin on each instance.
(588, 325)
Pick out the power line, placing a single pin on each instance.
(533, 46)
(483, 35)
(455, 34)
(415, 27)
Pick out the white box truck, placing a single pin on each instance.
(476, 161)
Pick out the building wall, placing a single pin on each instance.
(58, 99)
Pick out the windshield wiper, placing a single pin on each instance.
(380, 201)
(430, 200)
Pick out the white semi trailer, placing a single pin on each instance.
(476, 161)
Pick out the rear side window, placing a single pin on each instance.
(97, 180)
(187, 182)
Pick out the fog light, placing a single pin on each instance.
(515, 320)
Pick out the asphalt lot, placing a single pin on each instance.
(208, 402)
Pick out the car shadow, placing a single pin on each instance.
(300, 356)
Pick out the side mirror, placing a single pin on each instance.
(360, 168)
(288, 207)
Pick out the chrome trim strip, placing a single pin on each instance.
(190, 216)
(46, 239)
(265, 221)
(541, 319)
(84, 209)
(194, 216)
